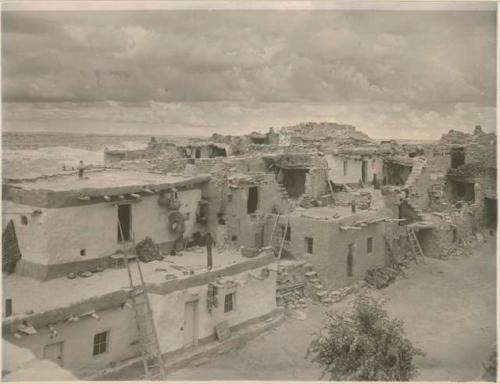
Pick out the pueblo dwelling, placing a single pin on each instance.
(67, 294)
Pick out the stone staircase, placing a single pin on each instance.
(315, 287)
(416, 171)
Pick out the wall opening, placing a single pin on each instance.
(217, 151)
(490, 211)
(24, 220)
(309, 245)
(350, 259)
(197, 153)
(288, 234)
(457, 157)
(124, 220)
(229, 303)
(83, 252)
(294, 181)
(460, 191)
(253, 199)
(345, 167)
(364, 171)
(396, 174)
(369, 245)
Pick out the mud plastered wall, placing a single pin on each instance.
(77, 340)
(253, 298)
(353, 169)
(330, 249)
(58, 235)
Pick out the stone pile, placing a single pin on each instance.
(383, 276)
(337, 295)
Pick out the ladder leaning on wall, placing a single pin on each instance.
(148, 339)
(274, 234)
(415, 245)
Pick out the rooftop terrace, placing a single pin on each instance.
(33, 297)
(101, 179)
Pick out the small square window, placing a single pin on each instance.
(24, 220)
(100, 343)
(369, 245)
(83, 252)
(229, 302)
(309, 245)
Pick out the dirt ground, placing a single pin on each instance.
(448, 308)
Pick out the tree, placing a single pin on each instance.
(364, 344)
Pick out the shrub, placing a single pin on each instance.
(364, 344)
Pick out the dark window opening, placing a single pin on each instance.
(457, 157)
(229, 302)
(83, 252)
(100, 343)
(345, 167)
(217, 152)
(455, 237)
(24, 220)
(294, 181)
(364, 171)
(369, 245)
(197, 153)
(350, 259)
(462, 191)
(490, 210)
(253, 199)
(124, 221)
(309, 245)
(234, 238)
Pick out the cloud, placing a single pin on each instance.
(429, 62)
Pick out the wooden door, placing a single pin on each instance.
(54, 352)
(190, 323)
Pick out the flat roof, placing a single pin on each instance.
(102, 179)
(34, 296)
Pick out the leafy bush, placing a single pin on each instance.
(364, 344)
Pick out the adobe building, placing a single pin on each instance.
(69, 239)
(64, 223)
(91, 328)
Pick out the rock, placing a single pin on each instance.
(311, 274)
(322, 294)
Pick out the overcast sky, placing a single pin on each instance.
(401, 74)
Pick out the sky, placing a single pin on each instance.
(401, 74)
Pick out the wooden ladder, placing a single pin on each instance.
(284, 237)
(275, 230)
(148, 338)
(415, 245)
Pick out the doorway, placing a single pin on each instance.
(364, 171)
(124, 220)
(490, 210)
(253, 199)
(190, 323)
(350, 259)
(54, 352)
